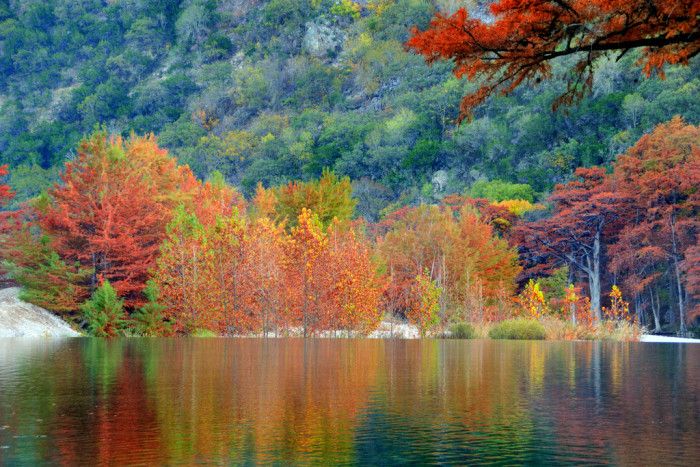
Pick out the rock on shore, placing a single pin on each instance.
(21, 319)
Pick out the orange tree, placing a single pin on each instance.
(110, 210)
(521, 38)
(475, 269)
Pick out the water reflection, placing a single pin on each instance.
(82, 401)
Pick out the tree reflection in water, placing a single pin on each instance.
(350, 401)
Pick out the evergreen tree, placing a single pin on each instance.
(104, 312)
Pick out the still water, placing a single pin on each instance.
(169, 401)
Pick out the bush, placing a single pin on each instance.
(149, 320)
(462, 331)
(104, 312)
(203, 333)
(518, 329)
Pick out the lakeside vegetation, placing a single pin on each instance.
(326, 187)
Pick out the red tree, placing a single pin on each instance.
(661, 174)
(7, 218)
(6, 193)
(110, 211)
(587, 213)
(521, 38)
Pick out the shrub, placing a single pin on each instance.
(518, 329)
(564, 330)
(203, 333)
(149, 320)
(104, 312)
(462, 331)
(621, 331)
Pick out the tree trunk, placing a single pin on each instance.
(593, 260)
(655, 311)
(679, 286)
(572, 305)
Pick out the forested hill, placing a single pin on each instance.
(278, 90)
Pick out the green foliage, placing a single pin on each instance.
(498, 190)
(555, 286)
(46, 280)
(149, 320)
(462, 331)
(203, 333)
(368, 109)
(104, 312)
(518, 329)
(329, 198)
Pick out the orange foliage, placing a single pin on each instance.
(234, 277)
(619, 309)
(110, 211)
(475, 268)
(518, 42)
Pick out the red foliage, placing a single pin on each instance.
(661, 173)
(110, 211)
(517, 44)
(5, 192)
(587, 216)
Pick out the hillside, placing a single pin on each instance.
(277, 90)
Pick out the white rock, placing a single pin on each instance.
(668, 339)
(22, 319)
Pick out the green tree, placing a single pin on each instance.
(104, 312)
(498, 190)
(149, 320)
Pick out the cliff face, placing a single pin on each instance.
(22, 319)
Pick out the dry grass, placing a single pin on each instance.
(622, 331)
(563, 330)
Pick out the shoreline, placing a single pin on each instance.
(19, 319)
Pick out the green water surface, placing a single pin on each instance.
(369, 402)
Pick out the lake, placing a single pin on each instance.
(167, 401)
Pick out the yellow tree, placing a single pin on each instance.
(304, 250)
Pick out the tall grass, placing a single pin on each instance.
(557, 329)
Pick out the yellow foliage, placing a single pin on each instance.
(619, 309)
(519, 207)
(532, 300)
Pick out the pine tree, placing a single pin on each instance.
(150, 319)
(104, 312)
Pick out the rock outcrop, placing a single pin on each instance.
(21, 319)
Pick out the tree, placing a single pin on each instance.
(7, 218)
(425, 304)
(586, 218)
(474, 268)
(518, 41)
(498, 190)
(264, 282)
(104, 312)
(110, 211)
(5, 192)
(181, 275)
(223, 261)
(215, 199)
(353, 286)
(661, 174)
(46, 280)
(303, 263)
(150, 318)
(328, 198)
